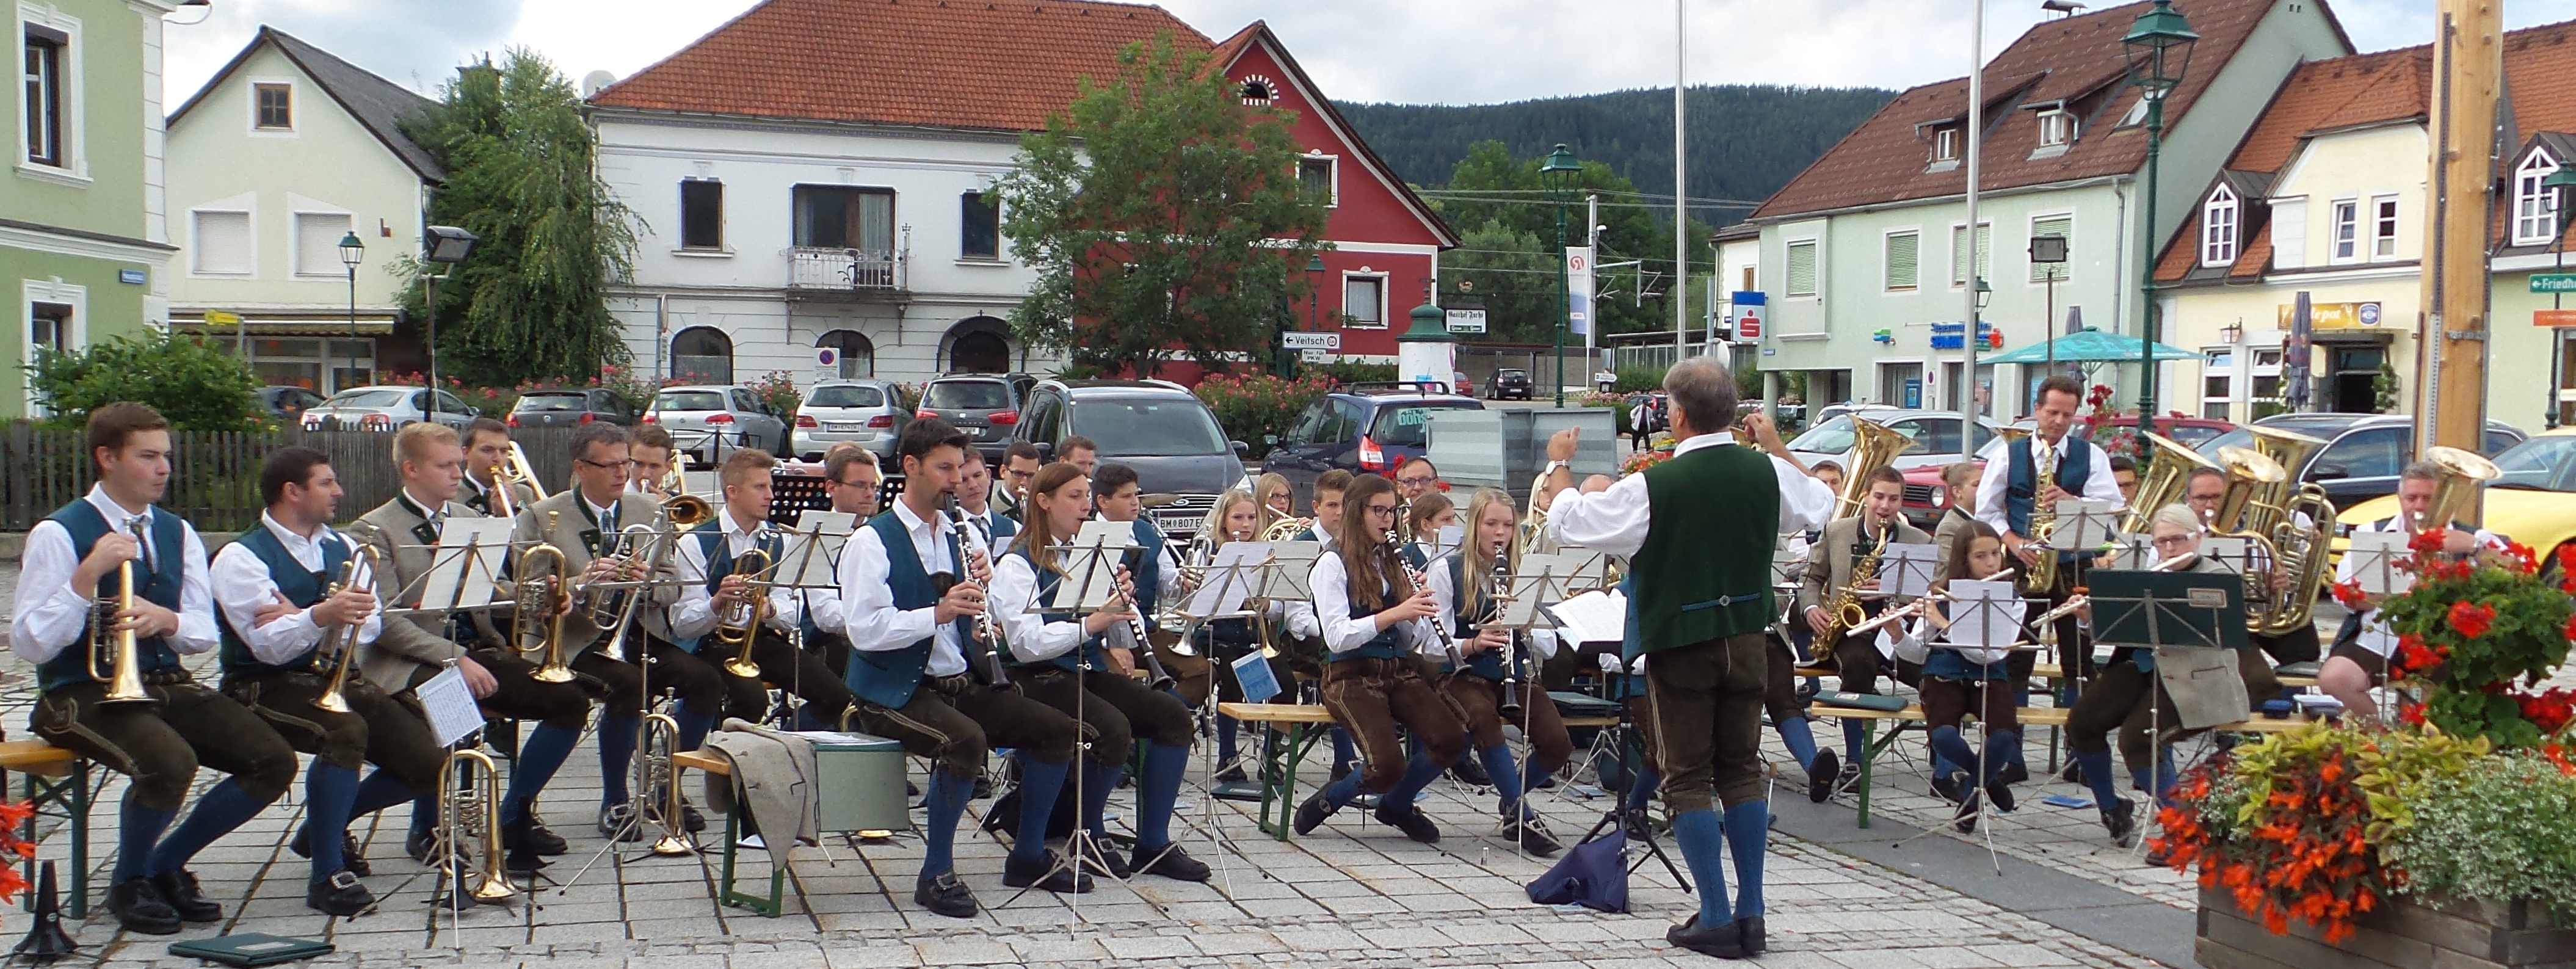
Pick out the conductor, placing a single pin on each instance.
(1699, 529)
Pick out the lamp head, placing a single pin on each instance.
(449, 244)
(352, 251)
(2158, 47)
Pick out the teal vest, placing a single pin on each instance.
(1149, 567)
(1705, 570)
(719, 557)
(2021, 488)
(161, 587)
(888, 678)
(301, 588)
(1385, 645)
(1093, 654)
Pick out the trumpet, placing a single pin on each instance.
(464, 805)
(541, 596)
(338, 646)
(739, 627)
(124, 672)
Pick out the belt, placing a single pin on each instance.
(952, 685)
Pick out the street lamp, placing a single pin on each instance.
(2050, 251)
(2158, 47)
(1560, 174)
(352, 252)
(448, 245)
(2558, 182)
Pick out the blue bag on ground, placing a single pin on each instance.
(1594, 875)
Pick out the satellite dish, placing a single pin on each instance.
(593, 81)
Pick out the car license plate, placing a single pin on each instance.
(845, 425)
(1188, 521)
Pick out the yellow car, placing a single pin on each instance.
(2533, 502)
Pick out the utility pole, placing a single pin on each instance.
(1681, 190)
(1592, 239)
(2467, 71)
(1967, 402)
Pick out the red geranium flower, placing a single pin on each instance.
(2471, 619)
(2349, 593)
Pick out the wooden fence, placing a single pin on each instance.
(214, 475)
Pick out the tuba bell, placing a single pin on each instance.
(2463, 473)
(1875, 446)
(2251, 474)
(2166, 478)
(2276, 512)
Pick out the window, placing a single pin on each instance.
(835, 217)
(701, 355)
(2217, 374)
(1902, 264)
(221, 244)
(49, 326)
(317, 244)
(46, 102)
(1316, 177)
(1802, 268)
(1945, 144)
(2347, 228)
(2218, 228)
(701, 214)
(979, 218)
(858, 356)
(275, 106)
(2383, 227)
(2535, 208)
(2056, 128)
(2266, 387)
(2061, 226)
(1749, 284)
(1959, 253)
(2375, 452)
(1364, 302)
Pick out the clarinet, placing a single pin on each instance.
(1136, 628)
(1510, 706)
(983, 632)
(1394, 556)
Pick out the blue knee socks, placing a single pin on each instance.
(1951, 751)
(379, 791)
(1225, 731)
(1702, 839)
(424, 813)
(330, 791)
(694, 724)
(1748, 832)
(1157, 792)
(1419, 772)
(539, 757)
(1341, 793)
(1642, 790)
(2002, 750)
(1344, 752)
(1855, 743)
(1098, 782)
(139, 832)
(2097, 776)
(1506, 775)
(616, 756)
(1040, 785)
(1799, 736)
(224, 807)
(944, 804)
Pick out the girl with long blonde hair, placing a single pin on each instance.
(1462, 583)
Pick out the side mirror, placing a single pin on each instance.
(1241, 450)
(1269, 440)
(2326, 472)
(472, 411)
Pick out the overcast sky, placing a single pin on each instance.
(1413, 51)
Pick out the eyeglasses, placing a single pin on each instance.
(1377, 509)
(1421, 482)
(2168, 541)
(605, 465)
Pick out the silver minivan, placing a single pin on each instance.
(709, 422)
(870, 413)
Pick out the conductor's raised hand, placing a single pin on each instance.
(1560, 445)
(1760, 429)
(963, 599)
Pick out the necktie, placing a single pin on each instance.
(138, 526)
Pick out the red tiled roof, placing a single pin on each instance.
(1884, 160)
(2257, 257)
(2182, 253)
(1002, 65)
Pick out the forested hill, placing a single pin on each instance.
(1745, 140)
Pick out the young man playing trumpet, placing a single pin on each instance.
(487, 462)
(1832, 567)
(72, 577)
(286, 590)
(728, 613)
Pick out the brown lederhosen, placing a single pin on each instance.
(1481, 700)
(1706, 700)
(955, 721)
(162, 743)
(1369, 697)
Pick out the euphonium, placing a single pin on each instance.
(124, 675)
(739, 627)
(1875, 446)
(1844, 610)
(339, 645)
(540, 594)
(463, 804)
(2166, 478)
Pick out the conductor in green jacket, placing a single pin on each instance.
(1698, 530)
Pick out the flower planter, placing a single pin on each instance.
(2400, 935)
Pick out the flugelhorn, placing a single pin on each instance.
(339, 645)
(739, 626)
(660, 778)
(124, 672)
(461, 804)
(540, 598)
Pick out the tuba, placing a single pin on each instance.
(739, 627)
(2463, 473)
(539, 595)
(124, 672)
(1876, 447)
(338, 646)
(2250, 474)
(465, 805)
(2275, 513)
(2167, 475)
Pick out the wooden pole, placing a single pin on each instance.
(2468, 70)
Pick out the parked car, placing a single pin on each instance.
(1360, 428)
(1935, 435)
(561, 406)
(1512, 384)
(1463, 385)
(2532, 502)
(1156, 427)
(985, 406)
(708, 422)
(2363, 452)
(386, 407)
(872, 413)
(286, 402)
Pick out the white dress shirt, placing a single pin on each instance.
(1014, 603)
(870, 618)
(1300, 613)
(1615, 520)
(245, 586)
(47, 614)
(1342, 633)
(1542, 642)
(2099, 485)
(694, 613)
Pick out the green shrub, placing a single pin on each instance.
(1254, 405)
(2497, 831)
(1351, 372)
(197, 386)
(1633, 380)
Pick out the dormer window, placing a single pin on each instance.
(1258, 91)
(2535, 207)
(2056, 129)
(2218, 222)
(1945, 144)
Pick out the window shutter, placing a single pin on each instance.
(223, 244)
(1903, 263)
(1959, 252)
(1802, 269)
(317, 244)
(2063, 225)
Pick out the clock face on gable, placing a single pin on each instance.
(1258, 91)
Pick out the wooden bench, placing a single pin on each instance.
(726, 893)
(58, 785)
(1304, 724)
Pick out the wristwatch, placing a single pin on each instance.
(1554, 466)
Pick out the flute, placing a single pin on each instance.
(2080, 600)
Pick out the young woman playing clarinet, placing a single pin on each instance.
(1424, 520)
(1499, 672)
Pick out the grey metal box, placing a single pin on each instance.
(859, 786)
(1505, 448)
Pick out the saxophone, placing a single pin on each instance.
(1844, 610)
(2041, 577)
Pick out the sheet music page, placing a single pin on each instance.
(1252, 672)
(2376, 556)
(1908, 569)
(1527, 594)
(813, 547)
(1984, 613)
(2131, 552)
(2082, 523)
(450, 706)
(2229, 552)
(1091, 569)
(1594, 617)
(1228, 580)
(467, 562)
(1290, 564)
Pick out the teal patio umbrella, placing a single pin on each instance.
(2088, 345)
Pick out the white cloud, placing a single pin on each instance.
(1416, 51)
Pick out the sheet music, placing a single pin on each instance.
(2376, 558)
(1227, 582)
(1597, 616)
(449, 705)
(2234, 553)
(1091, 569)
(466, 563)
(1290, 565)
(1907, 569)
(811, 549)
(2132, 552)
(1585, 569)
(1524, 596)
(2082, 523)
(1788, 565)
(1984, 613)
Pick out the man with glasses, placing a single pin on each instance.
(852, 480)
(1019, 466)
(1415, 478)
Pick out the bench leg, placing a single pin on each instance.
(767, 907)
(1868, 756)
(69, 799)
(1280, 760)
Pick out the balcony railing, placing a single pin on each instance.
(851, 271)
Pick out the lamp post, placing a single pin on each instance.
(2050, 251)
(1560, 174)
(447, 246)
(2558, 182)
(2158, 47)
(352, 252)
(1968, 335)
(1314, 313)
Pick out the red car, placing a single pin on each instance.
(1926, 498)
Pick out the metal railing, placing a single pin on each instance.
(846, 270)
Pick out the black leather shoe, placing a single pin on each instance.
(1110, 862)
(1533, 836)
(945, 895)
(1313, 812)
(139, 908)
(2014, 773)
(696, 821)
(1847, 779)
(1410, 820)
(1232, 775)
(419, 844)
(2120, 818)
(1821, 775)
(1170, 862)
(1999, 795)
(1725, 941)
(542, 839)
(341, 894)
(1467, 771)
(615, 821)
(1756, 941)
(1951, 787)
(351, 859)
(179, 890)
(1965, 818)
(1049, 874)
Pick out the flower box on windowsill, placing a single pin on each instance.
(2399, 935)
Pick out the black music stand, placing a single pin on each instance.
(2151, 610)
(1631, 750)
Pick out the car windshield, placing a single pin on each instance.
(2543, 463)
(967, 395)
(689, 400)
(846, 395)
(1831, 437)
(379, 397)
(2239, 437)
(541, 402)
(2192, 435)
(1148, 427)
(1513, 375)
(1407, 425)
